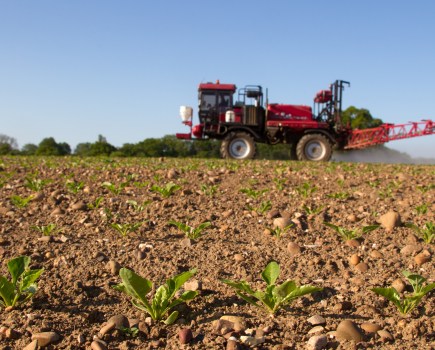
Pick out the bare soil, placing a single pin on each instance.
(75, 297)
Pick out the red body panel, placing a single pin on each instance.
(297, 125)
(197, 130)
(323, 96)
(289, 112)
(218, 86)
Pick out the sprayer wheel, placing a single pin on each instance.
(238, 145)
(314, 147)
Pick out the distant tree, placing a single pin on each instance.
(65, 148)
(359, 118)
(101, 149)
(29, 149)
(126, 150)
(11, 141)
(8, 145)
(49, 147)
(83, 149)
(5, 148)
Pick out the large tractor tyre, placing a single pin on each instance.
(314, 147)
(238, 145)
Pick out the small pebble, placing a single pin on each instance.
(316, 320)
(385, 336)
(370, 327)
(238, 257)
(422, 257)
(347, 330)
(362, 267)
(317, 342)
(390, 220)
(398, 285)
(185, 335)
(354, 260)
(45, 338)
(293, 248)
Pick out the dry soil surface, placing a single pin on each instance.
(82, 199)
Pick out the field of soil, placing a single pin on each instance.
(62, 213)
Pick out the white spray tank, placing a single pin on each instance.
(186, 113)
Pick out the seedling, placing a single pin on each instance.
(164, 299)
(35, 184)
(113, 188)
(351, 234)
(20, 202)
(306, 189)
(279, 184)
(96, 203)
(141, 184)
(130, 331)
(209, 190)
(313, 210)
(138, 207)
(425, 188)
(252, 193)
(23, 285)
(264, 206)
(47, 230)
(74, 186)
(421, 209)
(278, 231)
(427, 232)
(274, 296)
(339, 195)
(125, 229)
(409, 302)
(189, 231)
(374, 183)
(167, 190)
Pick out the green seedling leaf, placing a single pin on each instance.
(409, 302)
(7, 291)
(17, 266)
(164, 298)
(22, 285)
(172, 318)
(271, 273)
(273, 297)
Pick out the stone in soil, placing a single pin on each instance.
(185, 335)
(385, 335)
(32, 346)
(354, 259)
(45, 338)
(193, 285)
(317, 342)
(410, 249)
(293, 248)
(398, 285)
(370, 327)
(390, 220)
(347, 330)
(422, 257)
(362, 267)
(316, 320)
(282, 223)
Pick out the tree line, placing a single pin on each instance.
(167, 146)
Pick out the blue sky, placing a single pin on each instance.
(76, 69)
